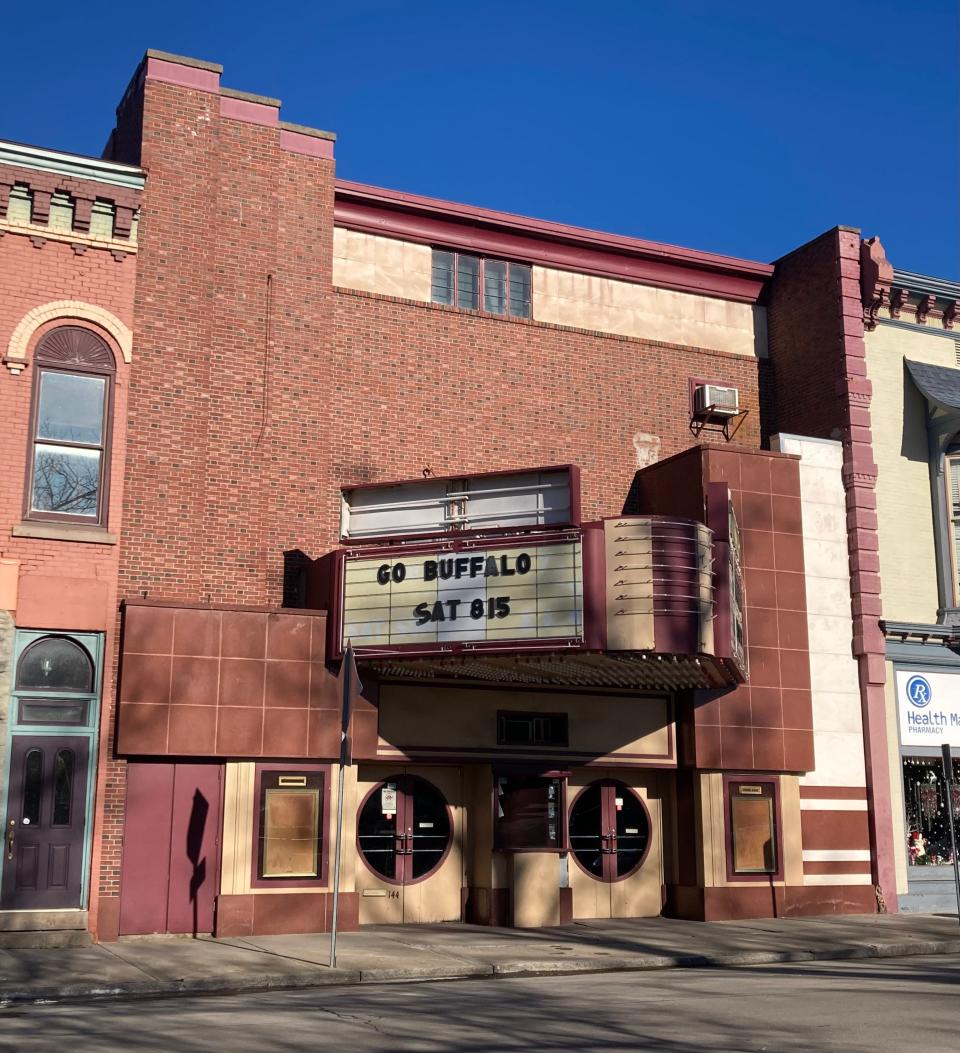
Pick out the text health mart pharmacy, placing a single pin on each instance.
(929, 708)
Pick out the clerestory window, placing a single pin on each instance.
(476, 283)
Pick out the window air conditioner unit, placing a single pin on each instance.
(711, 400)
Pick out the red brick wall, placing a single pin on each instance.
(805, 341)
(34, 274)
(32, 277)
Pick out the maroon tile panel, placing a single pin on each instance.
(766, 706)
(756, 511)
(243, 635)
(755, 472)
(767, 724)
(798, 750)
(224, 682)
(768, 749)
(288, 637)
(797, 708)
(287, 685)
(149, 632)
(736, 748)
(145, 678)
(735, 709)
(234, 916)
(241, 682)
(785, 477)
(239, 732)
(194, 681)
(758, 552)
(285, 732)
(761, 591)
(196, 632)
(142, 729)
(788, 552)
(787, 518)
(324, 735)
(193, 731)
(792, 630)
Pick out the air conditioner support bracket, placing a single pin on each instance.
(708, 420)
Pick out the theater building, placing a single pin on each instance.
(536, 478)
(68, 244)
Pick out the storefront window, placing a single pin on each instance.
(927, 809)
(528, 812)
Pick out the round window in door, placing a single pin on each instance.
(609, 830)
(403, 829)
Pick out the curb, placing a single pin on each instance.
(508, 970)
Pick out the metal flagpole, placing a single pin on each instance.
(347, 676)
(948, 772)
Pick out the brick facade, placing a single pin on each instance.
(821, 389)
(66, 575)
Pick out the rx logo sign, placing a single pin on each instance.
(919, 692)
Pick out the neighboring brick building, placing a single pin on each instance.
(68, 261)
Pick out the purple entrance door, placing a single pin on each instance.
(171, 848)
(44, 824)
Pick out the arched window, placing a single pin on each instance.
(55, 663)
(70, 426)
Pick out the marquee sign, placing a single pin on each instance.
(489, 595)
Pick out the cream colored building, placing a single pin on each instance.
(913, 364)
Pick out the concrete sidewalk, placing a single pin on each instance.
(167, 965)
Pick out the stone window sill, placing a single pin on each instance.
(93, 535)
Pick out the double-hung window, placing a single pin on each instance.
(479, 284)
(69, 453)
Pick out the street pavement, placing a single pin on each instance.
(860, 1006)
(149, 966)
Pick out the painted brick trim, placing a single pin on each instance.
(66, 309)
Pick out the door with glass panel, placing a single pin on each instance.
(44, 824)
(614, 841)
(410, 859)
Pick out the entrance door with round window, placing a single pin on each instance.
(406, 833)
(610, 837)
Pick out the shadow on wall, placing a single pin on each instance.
(196, 827)
(914, 442)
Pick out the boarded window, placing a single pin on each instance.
(753, 831)
(290, 825)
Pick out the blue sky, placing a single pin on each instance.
(744, 128)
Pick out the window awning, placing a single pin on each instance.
(940, 385)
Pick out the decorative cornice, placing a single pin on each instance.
(911, 299)
(36, 193)
(73, 166)
(876, 274)
(946, 635)
(429, 221)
